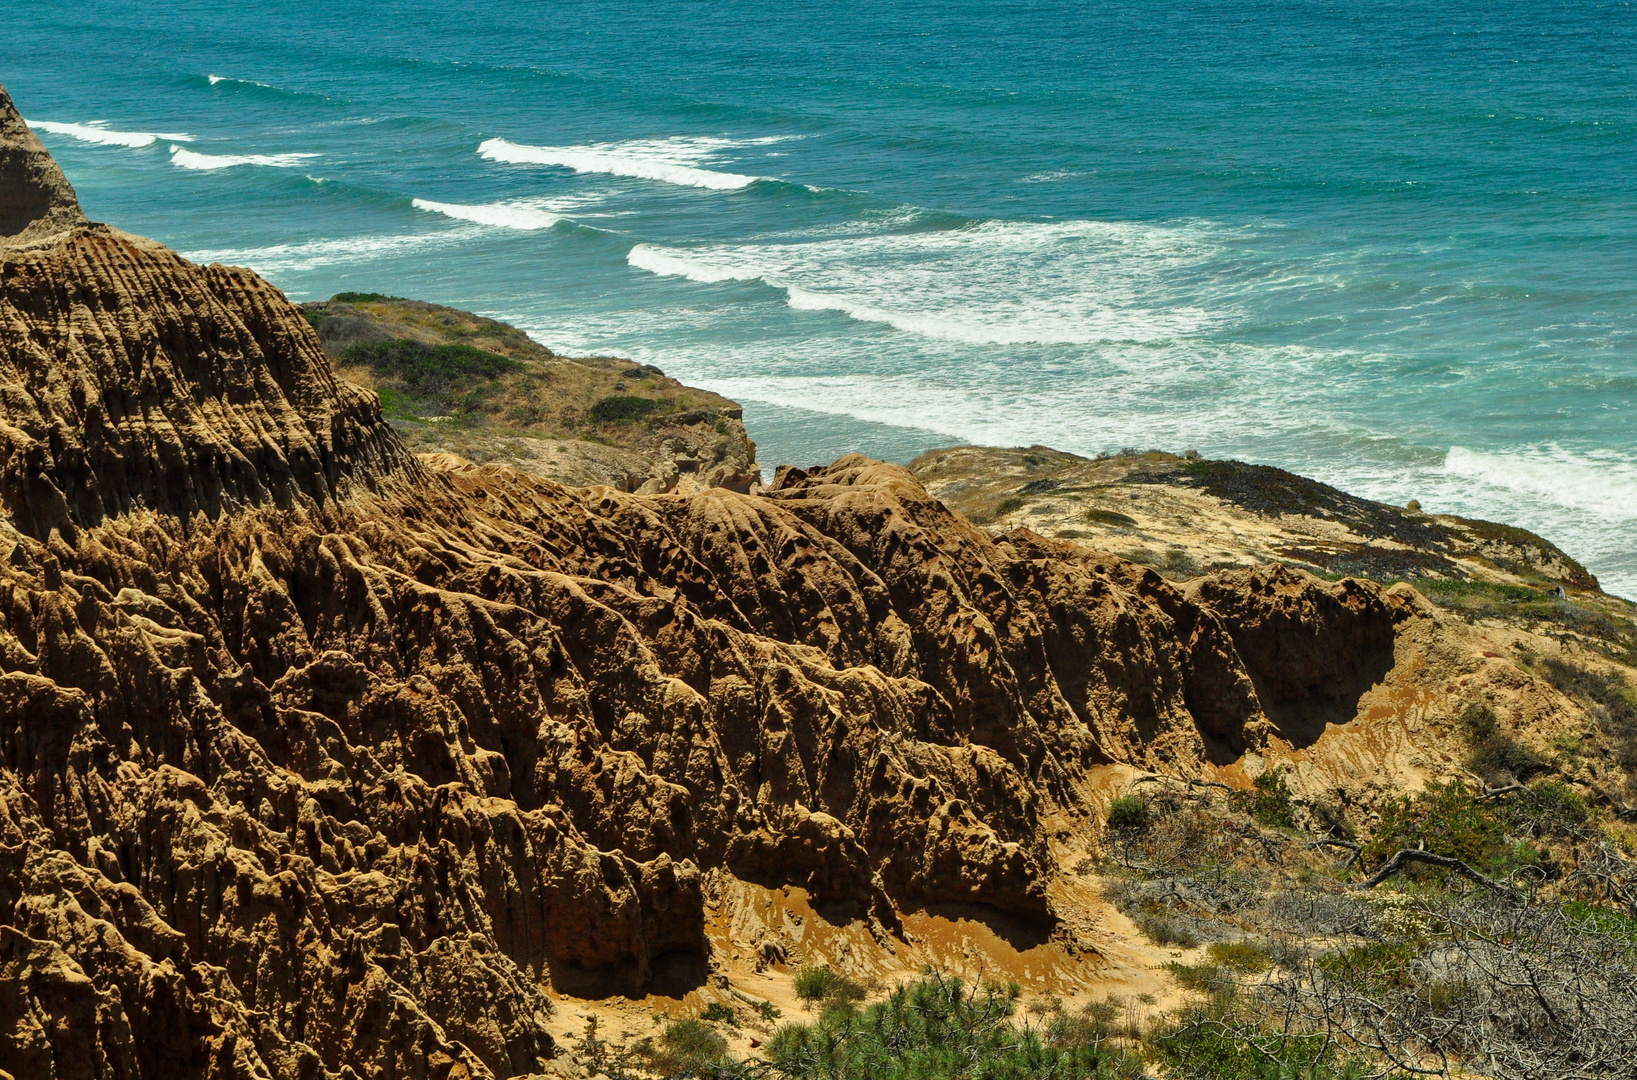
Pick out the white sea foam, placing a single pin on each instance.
(993, 283)
(668, 263)
(501, 215)
(671, 161)
(331, 251)
(214, 79)
(96, 132)
(1602, 484)
(189, 159)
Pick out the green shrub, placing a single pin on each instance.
(362, 297)
(1212, 980)
(938, 1028)
(718, 1013)
(1268, 801)
(688, 1046)
(827, 987)
(1548, 808)
(1129, 813)
(427, 368)
(1207, 1050)
(1444, 819)
(623, 408)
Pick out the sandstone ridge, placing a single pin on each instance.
(322, 760)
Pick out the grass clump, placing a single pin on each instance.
(624, 409)
(828, 988)
(1130, 813)
(689, 1047)
(1249, 957)
(1268, 801)
(940, 1027)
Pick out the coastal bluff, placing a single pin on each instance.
(321, 759)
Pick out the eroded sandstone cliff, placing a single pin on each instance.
(319, 759)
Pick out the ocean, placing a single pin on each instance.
(1392, 246)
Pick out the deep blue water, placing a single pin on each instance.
(1389, 245)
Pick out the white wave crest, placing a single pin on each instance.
(330, 251)
(1600, 484)
(214, 79)
(997, 283)
(95, 132)
(189, 159)
(658, 260)
(500, 215)
(670, 161)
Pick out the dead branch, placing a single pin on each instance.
(1444, 862)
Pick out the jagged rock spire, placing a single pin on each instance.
(36, 200)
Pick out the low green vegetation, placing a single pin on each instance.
(940, 1028)
(1129, 812)
(416, 379)
(824, 987)
(625, 408)
(364, 297)
(689, 1047)
(432, 368)
(1268, 801)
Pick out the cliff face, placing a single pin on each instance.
(316, 756)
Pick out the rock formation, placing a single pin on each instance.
(319, 759)
(37, 203)
(580, 421)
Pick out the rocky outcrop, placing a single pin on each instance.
(37, 204)
(318, 759)
(580, 421)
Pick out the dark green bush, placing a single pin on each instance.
(623, 408)
(435, 369)
(1444, 819)
(940, 1028)
(718, 1013)
(1268, 801)
(827, 987)
(1207, 1050)
(1548, 808)
(688, 1046)
(1129, 813)
(362, 297)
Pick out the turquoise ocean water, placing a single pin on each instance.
(1389, 245)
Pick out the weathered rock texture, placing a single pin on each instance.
(317, 757)
(36, 201)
